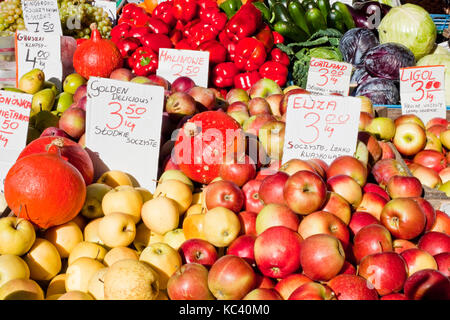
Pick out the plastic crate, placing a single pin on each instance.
(442, 21)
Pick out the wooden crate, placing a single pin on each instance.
(395, 112)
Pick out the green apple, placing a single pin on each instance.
(92, 207)
(17, 236)
(445, 187)
(72, 82)
(12, 267)
(239, 116)
(63, 101)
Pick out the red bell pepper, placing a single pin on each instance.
(164, 12)
(143, 61)
(184, 10)
(275, 71)
(204, 4)
(266, 37)
(127, 46)
(279, 56)
(212, 15)
(217, 52)
(184, 44)
(228, 44)
(157, 26)
(138, 32)
(120, 31)
(155, 41)
(246, 80)
(187, 28)
(133, 15)
(224, 74)
(244, 23)
(201, 32)
(175, 36)
(277, 38)
(250, 54)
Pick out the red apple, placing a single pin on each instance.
(443, 262)
(394, 296)
(318, 168)
(312, 291)
(387, 152)
(386, 271)
(409, 118)
(189, 282)
(322, 257)
(262, 294)
(322, 222)
(203, 96)
(373, 238)
(231, 278)
(243, 247)
(434, 242)
(254, 123)
(274, 101)
(238, 106)
(372, 187)
(338, 206)
(54, 132)
(437, 130)
(248, 222)
(404, 218)
(365, 119)
(182, 84)
(352, 287)
(442, 223)
(361, 219)
(372, 203)
(272, 167)
(180, 104)
(284, 101)
(237, 94)
(159, 81)
(305, 192)
(384, 169)
(258, 105)
(239, 172)
(427, 176)
(288, 284)
(347, 268)
(346, 187)
(401, 245)
(371, 142)
(224, 194)
(417, 259)
(264, 282)
(277, 252)
(271, 137)
(429, 211)
(444, 174)
(253, 201)
(404, 187)
(431, 159)
(436, 121)
(198, 251)
(427, 284)
(272, 188)
(273, 215)
(350, 166)
(73, 122)
(409, 139)
(294, 165)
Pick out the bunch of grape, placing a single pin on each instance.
(77, 16)
(11, 18)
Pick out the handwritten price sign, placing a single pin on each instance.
(175, 63)
(42, 16)
(124, 126)
(41, 51)
(326, 77)
(422, 91)
(323, 127)
(14, 118)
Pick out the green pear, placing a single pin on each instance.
(63, 101)
(72, 82)
(33, 134)
(42, 100)
(32, 81)
(51, 85)
(13, 89)
(44, 119)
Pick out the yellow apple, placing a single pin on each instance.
(114, 178)
(119, 253)
(96, 286)
(80, 220)
(134, 182)
(43, 260)
(57, 285)
(164, 259)
(17, 235)
(76, 295)
(177, 191)
(91, 232)
(117, 229)
(80, 272)
(64, 237)
(175, 238)
(131, 280)
(193, 226)
(160, 214)
(92, 207)
(123, 199)
(12, 267)
(176, 175)
(54, 296)
(221, 226)
(145, 236)
(89, 250)
(146, 194)
(21, 289)
(445, 139)
(198, 198)
(195, 209)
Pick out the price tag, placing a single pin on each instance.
(123, 126)
(109, 7)
(327, 76)
(175, 63)
(41, 51)
(14, 118)
(42, 16)
(322, 127)
(422, 91)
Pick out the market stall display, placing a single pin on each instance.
(214, 208)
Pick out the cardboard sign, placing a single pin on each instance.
(327, 76)
(175, 63)
(422, 91)
(14, 118)
(42, 16)
(109, 7)
(41, 51)
(123, 127)
(322, 127)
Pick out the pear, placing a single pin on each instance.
(42, 101)
(32, 81)
(33, 134)
(12, 89)
(51, 85)
(63, 101)
(44, 119)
